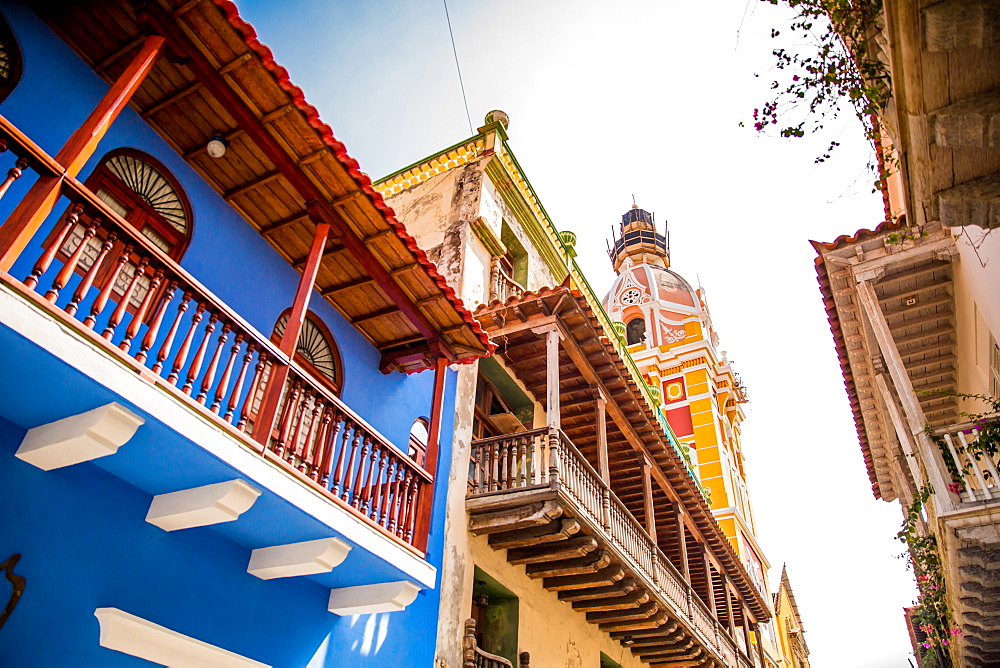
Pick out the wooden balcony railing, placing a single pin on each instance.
(502, 285)
(105, 279)
(544, 457)
(975, 465)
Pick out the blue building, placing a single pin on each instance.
(226, 370)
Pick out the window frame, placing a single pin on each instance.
(335, 385)
(16, 59)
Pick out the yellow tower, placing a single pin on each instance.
(669, 331)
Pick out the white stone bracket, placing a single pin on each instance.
(202, 506)
(368, 599)
(79, 438)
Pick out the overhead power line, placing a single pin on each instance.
(461, 83)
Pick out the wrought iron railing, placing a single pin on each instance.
(107, 280)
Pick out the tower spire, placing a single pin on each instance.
(638, 240)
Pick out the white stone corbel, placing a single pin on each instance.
(295, 559)
(368, 599)
(202, 506)
(79, 438)
(142, 638)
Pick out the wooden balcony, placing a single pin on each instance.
(536, 496)
(599, 503)
(100, 277)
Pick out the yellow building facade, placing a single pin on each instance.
(668, 328)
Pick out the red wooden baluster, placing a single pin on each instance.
(199, 355)
(338, 474)
(396, 501)
(13, 174)
(329, 445)
(306, 461)
(154, 327)
(241, 375)
(140, 313)
(369, 474)
(404, 498)
(379, 484)
(168, 342)
(182, 352)
(42, 265)
(286, 420)
(123, 303)
(88, 279)
(349, 473)
(227, 371)
(411, 505)
(69, 268)
(102, 298)
(292, 446)
(315, 453)
(213, 365)
(359, 492)
(255, 383)
(386, 490)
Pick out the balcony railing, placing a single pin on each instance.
(111, 283)
(542, 458)
(975, 467)
(502, 285)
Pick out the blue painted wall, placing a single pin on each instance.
(81, 529)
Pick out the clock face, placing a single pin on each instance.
(631, 296)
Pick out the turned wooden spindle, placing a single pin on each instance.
(359, 491)
(292, 446)
(168, 342)
(13, 174)
(338, 474)
(319, 448)
(199, 355)
(329, 445)
(386, 491)
(255, 384)
(123, 303)
(349, 472)
(154, 327)
(109, 284)
(383, 458)
(140, 313)
(305, 460)
(88, 279)
(371, 467)
(291, 405)
(213, 365)
(227, 371)
(69, 268)
(181, 358)
(43, 263)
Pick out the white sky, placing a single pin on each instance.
(611, 99)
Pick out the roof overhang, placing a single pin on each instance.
(284, 171)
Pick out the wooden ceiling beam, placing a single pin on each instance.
(115, 55)
(294, 219)
(350, 285)
(374, 315)
(165, 102)
(251, 185)
(216, 84)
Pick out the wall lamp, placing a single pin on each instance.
(216, 146)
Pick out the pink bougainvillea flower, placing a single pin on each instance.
(954, 487)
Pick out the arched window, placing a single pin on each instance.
(10, 60)
(316, 349)
(635, 331)
(419, 432)
(143, 192)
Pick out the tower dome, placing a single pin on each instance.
(650, 298)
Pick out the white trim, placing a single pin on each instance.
(136, 636)
(69, 345)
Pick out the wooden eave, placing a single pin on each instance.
(585, 341)
(283, 171)
(924, 333)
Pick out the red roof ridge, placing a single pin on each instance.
(353, 168)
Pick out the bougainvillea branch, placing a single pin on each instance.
(834, 68)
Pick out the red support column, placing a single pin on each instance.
(290, 337)
(426, 500)
(30, 213)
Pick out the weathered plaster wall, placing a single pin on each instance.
(549, 629)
